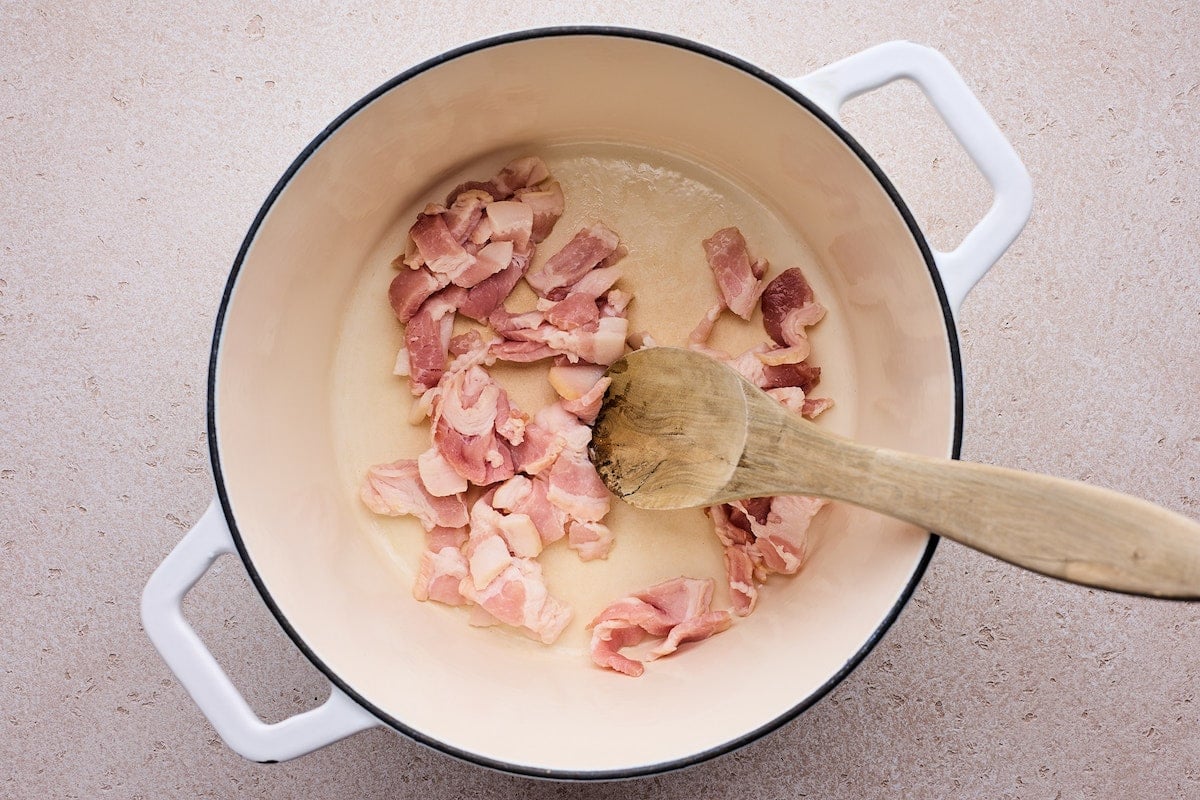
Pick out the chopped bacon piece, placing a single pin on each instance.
(439, 576)
(437, 538)
(465, 343)
(677, 610)
(523, 352)
(464, 213)
(409, 289)
(521, 535)
(487, 187)
(692, 629)
(587, 405)
(573, 311)
(573, 381)
(440, 251)
(743, 591)
(615, 302)
(603, 344)
(547, 205)
(396, 490)
(439, 477)
(815, 405)
(427, 340)
(803, 375)
(788, 308)
(730, 264)
(698, 338)
(576, 488)
(539, 449)
(487, 555)
(516, 174)
(794, 399)
(584, 252)
(519, 174)
(529, 497)
(597, 282)
(491, 259)
(590, 539)
(518, 597)
(489, 294)
(466, 417)
(782, 538)
(511, 221)
(426, 356)
(793, 354)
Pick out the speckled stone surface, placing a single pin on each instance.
(136, 144)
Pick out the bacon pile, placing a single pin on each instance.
(497, 486)
(764, 535)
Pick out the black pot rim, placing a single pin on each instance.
(536, 33)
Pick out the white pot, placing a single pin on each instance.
(301, 400)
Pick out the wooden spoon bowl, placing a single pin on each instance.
(678, 429)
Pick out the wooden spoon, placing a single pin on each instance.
(678, 430)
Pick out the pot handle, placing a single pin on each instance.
(203, 678)
(831, 86)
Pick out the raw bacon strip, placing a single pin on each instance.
(678, 610)
(584, 252)
(547, 205)
(439, 575)
(693, 629)
(396, 490)
(730, 264)
(518, 597)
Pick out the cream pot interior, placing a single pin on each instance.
(665, 144)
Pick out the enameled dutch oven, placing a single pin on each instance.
(665, 140)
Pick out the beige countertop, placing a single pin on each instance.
(137, 142)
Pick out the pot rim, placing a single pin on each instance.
(525, 35)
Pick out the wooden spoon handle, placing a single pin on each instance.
(1058, 527)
